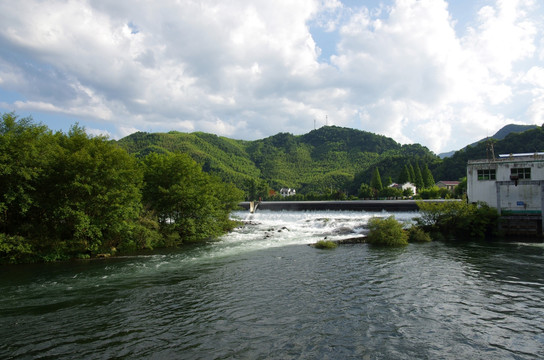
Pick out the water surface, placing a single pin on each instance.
(262, 292)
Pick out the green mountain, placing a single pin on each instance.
(499, 135)
(329, 158)
(454, 167)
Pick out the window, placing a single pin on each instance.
(486, 174)
(521, 173)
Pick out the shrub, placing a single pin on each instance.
(387, 231)
(458, 219)
(14, 249)
(417, 234)
(325, 244)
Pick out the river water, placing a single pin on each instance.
(262, 292)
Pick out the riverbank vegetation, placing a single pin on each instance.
(388, 231)
(458, 220)
(71, 195)
(448, 220)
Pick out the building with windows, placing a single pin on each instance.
(450, 185)
(513, 184)
(287, 192)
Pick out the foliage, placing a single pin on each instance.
(75, 196)
(390, 192)
(458, 219)
(428, 179)
(461, 189)
(417, 234)
(325, 244)
(187, 201)
(15, 249)
(455, 167)
(376, 181)
(433, 192)
(404, 176)
(365, 191)
(386, 231)
(418, 180)
(328, 160)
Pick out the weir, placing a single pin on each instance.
(352, 205)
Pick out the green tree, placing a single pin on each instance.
(388, 182)
(404, 175)
(419, 183)
(90, 195)
(428, 179)
(376, 181)
(190, 204)
(365, 191)
(412, 173)
(25, 148)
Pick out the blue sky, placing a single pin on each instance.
(440, 73)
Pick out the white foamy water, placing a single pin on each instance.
(268, 229)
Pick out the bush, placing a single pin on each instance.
(325, 244)
(387, 231)
(14, 249)
(417, 234)
(458, 219)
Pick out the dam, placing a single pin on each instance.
(347, 205)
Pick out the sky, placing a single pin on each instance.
(439, 73)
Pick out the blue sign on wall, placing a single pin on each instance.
(520, 203)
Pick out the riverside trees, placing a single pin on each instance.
(72, 195)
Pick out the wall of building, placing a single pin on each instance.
(520, 198)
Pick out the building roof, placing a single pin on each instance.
(506, 158)
(448, 182)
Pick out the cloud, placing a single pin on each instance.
(252, 69)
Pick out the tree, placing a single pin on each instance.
(412, 173)
(24, 154)
(189, 203)
(90, 194)
(365, 191)
(376, 181)
(388, 182)
(428, 179)
(419, 178)
(404, 175)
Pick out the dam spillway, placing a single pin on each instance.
(347, 205)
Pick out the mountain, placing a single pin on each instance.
(499, 135)
(329, 158)
(454, 167)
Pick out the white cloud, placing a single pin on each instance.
(252, 69)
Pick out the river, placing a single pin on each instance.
(262, 292)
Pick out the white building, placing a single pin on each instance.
(405, 186)
(513, 184)
(287, 192)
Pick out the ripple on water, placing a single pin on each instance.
(262, 293)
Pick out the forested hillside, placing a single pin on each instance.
(454, 167)
(499, 135)
(327, 159)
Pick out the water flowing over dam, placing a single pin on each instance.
(262, 292)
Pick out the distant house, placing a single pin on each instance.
(287, 192)
(447, 184)
(405, 186)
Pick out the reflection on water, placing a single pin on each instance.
(261, 292)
